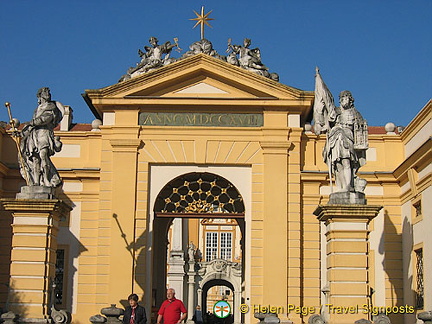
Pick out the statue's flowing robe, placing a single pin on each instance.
(40, 135)
(341, 141)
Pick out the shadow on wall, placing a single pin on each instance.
(408, 244)
(137, 253)
(138, 248)
(75, 248)
(392, 249)
(13, 302)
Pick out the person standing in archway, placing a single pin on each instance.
(172, 310)
(198, 316)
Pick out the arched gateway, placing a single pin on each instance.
(203, 196)
(200, 115)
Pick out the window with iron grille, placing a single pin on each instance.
(59, 277)
(419, 279)
(211, 246)
(226, 247)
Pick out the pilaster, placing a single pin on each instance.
(123, 208)
(275, 154)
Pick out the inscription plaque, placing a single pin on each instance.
(201, 119)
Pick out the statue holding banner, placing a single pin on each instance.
(347, 139)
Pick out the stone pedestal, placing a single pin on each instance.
(347, 198)
(347, 232)
(33, 256)
(176, 273)
(37, 192)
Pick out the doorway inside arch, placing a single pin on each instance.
(214, 291)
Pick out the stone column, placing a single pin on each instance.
(237, 303)
(34, 243)
(176, 272)
(199, 300)
(191, 291)
(347, 232)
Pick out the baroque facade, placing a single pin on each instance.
(204, 174)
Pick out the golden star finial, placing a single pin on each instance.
(202, 19)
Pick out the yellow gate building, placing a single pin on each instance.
(202, 162)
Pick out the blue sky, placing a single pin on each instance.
(379, 50)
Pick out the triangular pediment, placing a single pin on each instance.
(199, 83)
(199, 77)
(201, 88)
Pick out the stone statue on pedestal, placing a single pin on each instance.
(346, 143)
(191, 251)
(38, 142)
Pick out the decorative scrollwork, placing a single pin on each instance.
(219, 265)
(199, 193)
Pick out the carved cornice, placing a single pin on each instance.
(275, 147)
(421, 156)
(326, 213)
(126, 145)
(35, 205)
(419, 121)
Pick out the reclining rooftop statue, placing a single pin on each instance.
(156, 56)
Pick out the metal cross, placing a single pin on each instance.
(202, 19)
